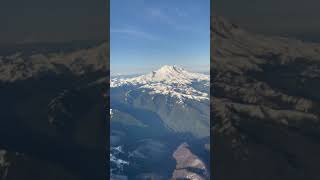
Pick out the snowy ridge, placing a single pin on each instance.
(117, 162)
(168, 80)
(166, 74)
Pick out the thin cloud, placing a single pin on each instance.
(159, 15)
(156, 13)
(171, 20)
(181, 13)
(135, 33)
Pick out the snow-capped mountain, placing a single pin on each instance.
(178, 97)
(169, 80)
(151, 114)
(166, 74)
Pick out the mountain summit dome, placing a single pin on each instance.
(170, 69)
(168, 80)
(167, 74)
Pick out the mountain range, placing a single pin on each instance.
(265, 105)
(152, 115)
(179, 97)
(22, 65)
(52, 112)
(264, 110)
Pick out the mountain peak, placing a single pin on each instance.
(167, 74)
(168, 70)
(171, 68)
(173, 74)
(169, 80)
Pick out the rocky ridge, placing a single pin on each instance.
(265, 105)
(20, 66)
(49, 99)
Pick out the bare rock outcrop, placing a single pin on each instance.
(189, 166)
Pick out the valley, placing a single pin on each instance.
(152, 115)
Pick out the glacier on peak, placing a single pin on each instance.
(169, 80)
(166, 74)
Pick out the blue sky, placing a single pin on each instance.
(146, 34)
